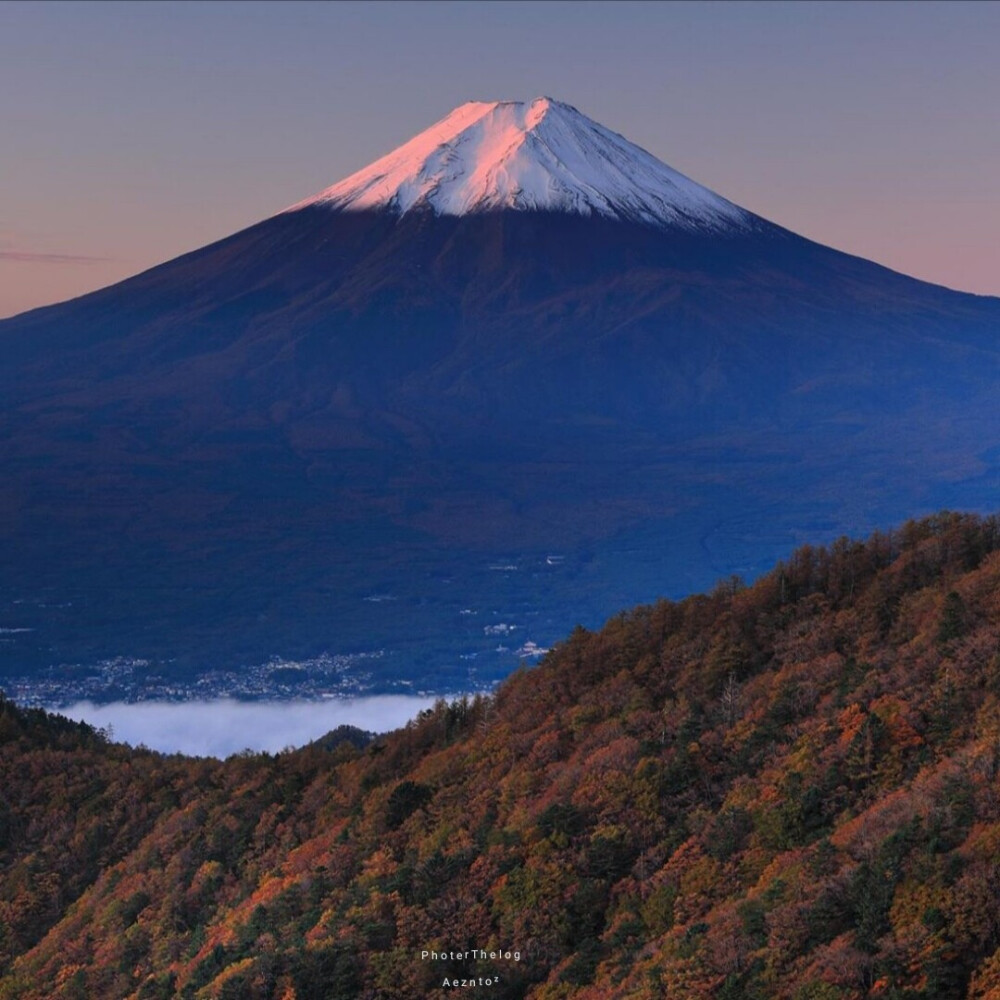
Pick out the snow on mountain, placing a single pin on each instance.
(538, 155)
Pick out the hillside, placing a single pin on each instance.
(787, 790)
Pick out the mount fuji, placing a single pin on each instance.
(512, 376)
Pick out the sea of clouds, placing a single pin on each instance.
(224, 726)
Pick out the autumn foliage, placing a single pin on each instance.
(787, 791)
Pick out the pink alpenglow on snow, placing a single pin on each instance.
(540, 155)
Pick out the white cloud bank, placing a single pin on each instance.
(223, 727)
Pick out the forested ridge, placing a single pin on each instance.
(785, 790)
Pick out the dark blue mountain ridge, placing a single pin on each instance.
(323, 431)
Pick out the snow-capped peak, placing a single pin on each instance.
(537, 155)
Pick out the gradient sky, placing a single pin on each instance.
(130, 133)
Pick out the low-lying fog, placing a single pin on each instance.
(223, 727)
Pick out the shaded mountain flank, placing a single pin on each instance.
(784, 791)
(535, 417)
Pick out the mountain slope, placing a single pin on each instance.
(782, 791)
(325, 432)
